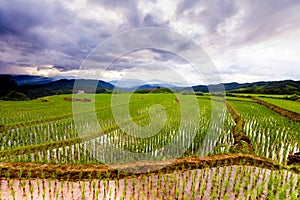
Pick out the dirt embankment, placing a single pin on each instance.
(241, 141)
(292, 115)
(96, 171)
(77, 100)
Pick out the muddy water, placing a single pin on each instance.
(231, 182)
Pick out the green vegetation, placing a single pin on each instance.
(156, 90)
(289, 87)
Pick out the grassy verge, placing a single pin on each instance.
(242, 142)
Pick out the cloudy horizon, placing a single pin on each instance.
(246, 41)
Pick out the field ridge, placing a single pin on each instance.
(94, 171)
(287, 113)
(241, 141)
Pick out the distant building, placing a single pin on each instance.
(80, 92)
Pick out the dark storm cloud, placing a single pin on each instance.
(163, 56)
(19, 18)
(132, 13)
(47, 30)
(16, 21)
(259, 20)
(50, 33)
(23, 65)
(129, 8)
(150, 21)
(63, 33)
(5, 64)
(185, 5)
(119, 66)
(64, 68)
(264, 19)
(212, 13)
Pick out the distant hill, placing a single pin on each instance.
(149, 89)
(262, 87)
(32, 80)
(10, 90)
(152, 86)
(271, 87)
(65, 86)
(130, 85)
(31, 87)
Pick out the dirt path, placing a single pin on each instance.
(289, 114)
(241, 141)
(96, 171)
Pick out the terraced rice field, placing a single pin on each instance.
(293, 106)
(146, 146)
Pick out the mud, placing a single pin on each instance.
(241, 141)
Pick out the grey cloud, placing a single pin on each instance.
(24, 65)
(64, 68)
(5, 63)
(34, 28)
(260, 19)
(19, 17)
(129, 8)
(150, 21)
(235, 69)
(50, 33)
(164, 56)
(133, 14)
(215, 12)
(154, 1)
(185, 5)
(268, 18)
(119, 67)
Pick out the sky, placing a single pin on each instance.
(246, 41)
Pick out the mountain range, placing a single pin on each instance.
(36, 86)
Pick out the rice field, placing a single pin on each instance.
(144, 130)
(293, 106)
(273, 136)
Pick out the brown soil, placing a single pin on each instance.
(90, 171)
(77, 100)
(289, 114)
(294, 158)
